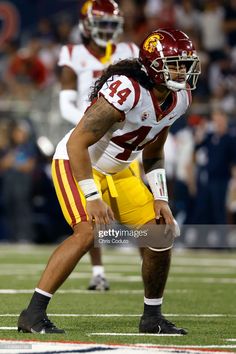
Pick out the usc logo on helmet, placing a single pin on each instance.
(86, 5)
(151, 42)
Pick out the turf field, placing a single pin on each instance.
(200, 296)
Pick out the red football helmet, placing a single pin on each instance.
(101, 20)
(164, 53)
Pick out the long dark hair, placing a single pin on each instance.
(128, 67)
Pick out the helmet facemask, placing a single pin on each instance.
(185, 80)
(105, 29)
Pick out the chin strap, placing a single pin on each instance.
(175, 86)
(107, 57)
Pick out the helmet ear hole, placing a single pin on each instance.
(165, 54)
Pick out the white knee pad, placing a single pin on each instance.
(175, 232)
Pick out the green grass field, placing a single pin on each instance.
(200, 296)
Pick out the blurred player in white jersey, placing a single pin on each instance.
(134, 104)
(101, 23)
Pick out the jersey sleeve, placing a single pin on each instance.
(65, 57)
(121, 92)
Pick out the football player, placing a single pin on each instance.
(134, 104)
(101, 23)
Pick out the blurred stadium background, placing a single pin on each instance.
(200, 151)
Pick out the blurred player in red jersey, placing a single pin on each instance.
(101, 23)
(134, 104)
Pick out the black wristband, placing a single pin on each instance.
(91, 194)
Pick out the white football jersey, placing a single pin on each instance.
(89, 68)
(142, 121)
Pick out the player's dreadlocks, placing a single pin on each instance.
(131, 68)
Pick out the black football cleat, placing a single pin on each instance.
(36, 324)
(159, 325)
(98, 283)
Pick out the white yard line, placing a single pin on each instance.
(179, 347)
(121, 278)
(116, 277)
(11, 269)
(133, 334)
(204, 315)
(197, 270)
(175, 279)
(231, 340)
(203, 279)
(107, 334)
(203, 262)
(130, 256)
(81, 291)
(125, 266)
(193, 260)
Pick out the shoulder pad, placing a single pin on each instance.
(65, 56)
(122, 92)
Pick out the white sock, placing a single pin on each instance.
(153, 302)
(98, 270)
(43, 292)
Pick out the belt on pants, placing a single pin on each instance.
(111, 186)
